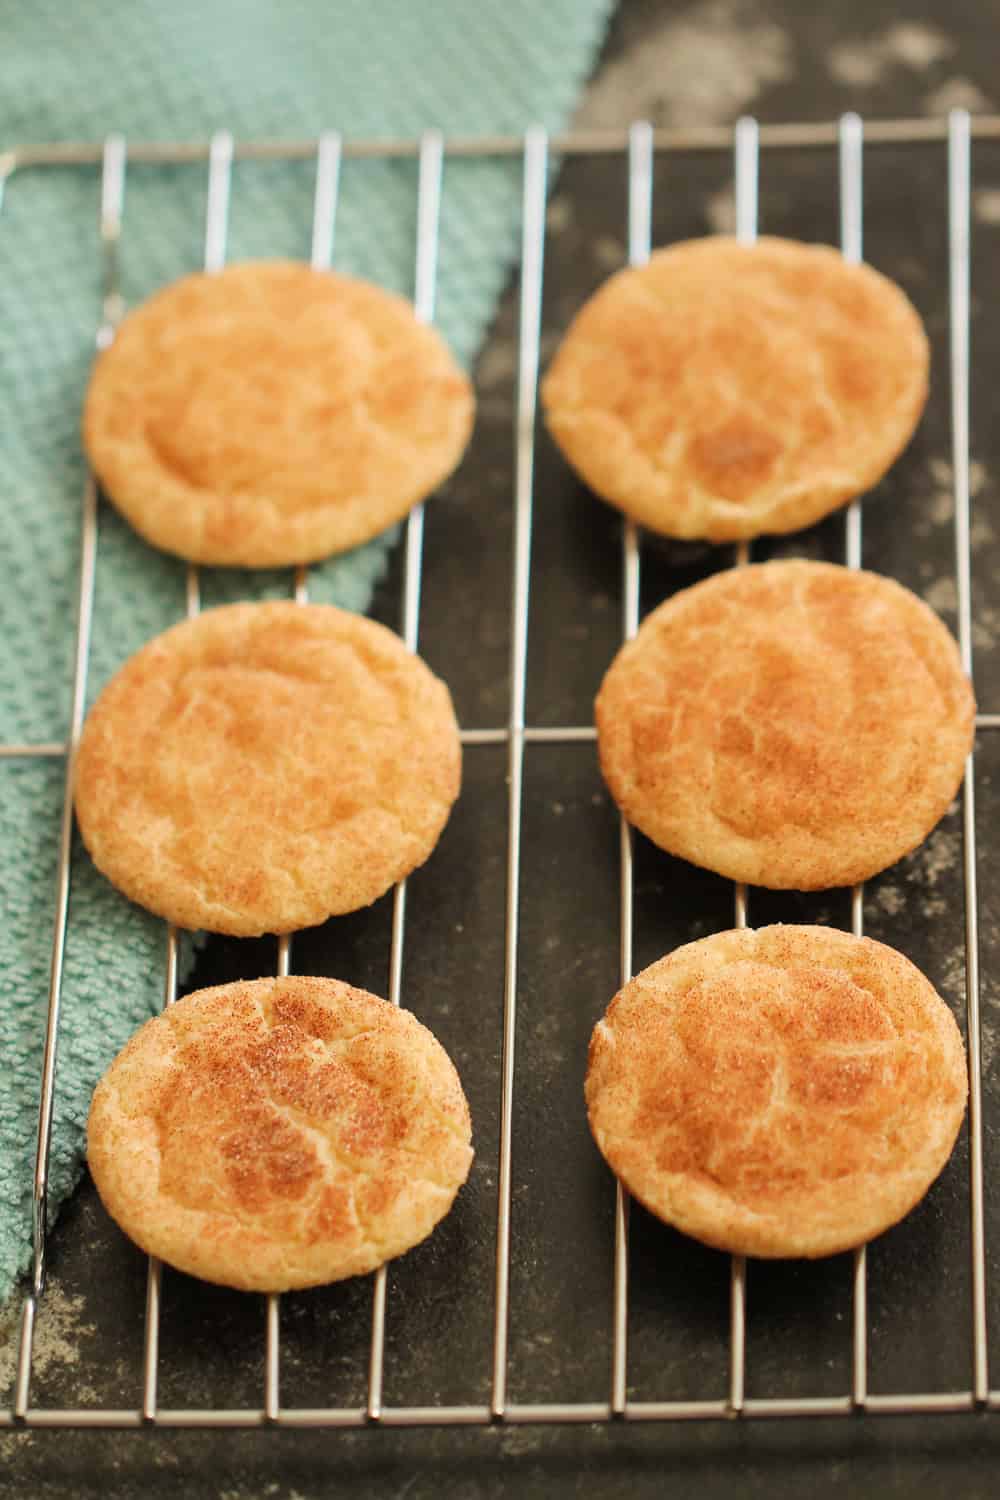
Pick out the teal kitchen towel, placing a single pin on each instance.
(262, 69)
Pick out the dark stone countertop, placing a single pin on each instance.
(675, 63)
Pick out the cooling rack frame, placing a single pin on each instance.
(849, 137)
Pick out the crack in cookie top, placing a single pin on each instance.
(279, 1133)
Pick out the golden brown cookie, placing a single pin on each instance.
(787, 1092)
(725, 390)
(279, 1133)
(272, 414)
(792, 725)
(266, 766)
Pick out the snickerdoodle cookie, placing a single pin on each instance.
(793, 725)
(724, 390)
(787, 1092)
(265, 766)
(280, 1133)
(273, 414)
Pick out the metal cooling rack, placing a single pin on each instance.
(637, 148)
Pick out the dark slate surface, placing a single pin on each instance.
(704, 62)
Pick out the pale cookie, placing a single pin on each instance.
(787, 1092)
(725, 390)
(280, 1133)
(792, 725)
(272, 414)
(266, 766)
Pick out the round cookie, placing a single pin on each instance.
(787, 1092)
(793, 725)
(272, 414)
(279, 1133)
(265, 766)
(724, 390)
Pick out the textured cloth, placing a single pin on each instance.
(269, 68)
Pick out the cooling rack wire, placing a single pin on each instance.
(847, 137)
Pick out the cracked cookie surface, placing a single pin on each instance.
(265, 766)
(792, 1091)
(271, 414)
(725, 390)
(279, 1133)
(793, 724)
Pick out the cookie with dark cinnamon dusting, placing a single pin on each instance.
(280, 1133)
(787, 1092)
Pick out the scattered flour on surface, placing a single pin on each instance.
(938, 858)
(986, 205)
(700, 68)
(559, 214)
(498, 364)
(720, 211)
(941, 505)
(890, 899)
(989, 1040)
(956, 93)
(608, 252)
(981, 531)
(864, 62)
(915, 45)
(857, 65)
(952, 985)
(271, 1488)
(942, 595)
(59, 1329)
